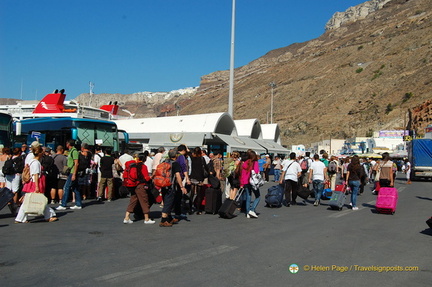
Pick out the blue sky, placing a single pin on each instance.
(142, 45)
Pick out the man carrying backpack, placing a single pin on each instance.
(168, 192)
(305, 163)
(107, 175)
(72, 179)
(137, 179)
(332, 170)
(84, 172)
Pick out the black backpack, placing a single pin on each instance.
(84, 162)
(48, 166)
(19, 164)
(9, 167)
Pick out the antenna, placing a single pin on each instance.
(91, 85)
(21, 88)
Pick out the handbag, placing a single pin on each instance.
(205, 172)
(66, 170)
(30, 187)
(34, 203)
(214, 181)
(256, 180)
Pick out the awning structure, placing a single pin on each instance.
(240, 143)
(170, 140)
(272, 147)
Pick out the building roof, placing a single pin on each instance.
(249, 128)
(205, 123)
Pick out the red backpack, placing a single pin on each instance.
(132, 175)
(162, 176)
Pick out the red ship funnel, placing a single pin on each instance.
(51, 103)
(112, 109)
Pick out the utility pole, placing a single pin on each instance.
(272, 86)
(231, 82)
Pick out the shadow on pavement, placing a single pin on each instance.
(425, 198)
(427, 231)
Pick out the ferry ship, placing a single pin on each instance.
(54, 105)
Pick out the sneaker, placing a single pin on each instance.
(149, 221)
(61, 207)
(350, 203)
(127, 221)
(316, 203)
(109, 200)
(165, 224)
(253, 214)
(52, 202)
(76, 207)
(355, 208)
(99, 198)
(248, 216)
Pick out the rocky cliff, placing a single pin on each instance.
(365, 75)
(369, 71)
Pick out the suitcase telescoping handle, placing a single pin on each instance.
(239, 193)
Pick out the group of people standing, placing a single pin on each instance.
(320, 172)
(192, 171)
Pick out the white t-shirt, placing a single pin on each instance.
(149, 164)
(156, 160)
(318, 170)
(291, 168)
(124, 158)
(35, 168)
(29, 158)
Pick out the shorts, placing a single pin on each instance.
(60, 183)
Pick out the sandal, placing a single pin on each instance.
(51, 219)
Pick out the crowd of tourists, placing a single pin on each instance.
(178, 178)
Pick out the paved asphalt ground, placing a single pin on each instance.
(92, 247)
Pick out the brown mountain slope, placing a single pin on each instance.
(363, 76)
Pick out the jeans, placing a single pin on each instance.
(71, 185)
(168, 195)
(277, 173)
(355, 186)
(248, 196)
(318, 186)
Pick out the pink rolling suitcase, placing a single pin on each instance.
(387, 200)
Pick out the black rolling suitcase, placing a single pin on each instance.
(227, 209)
(213, 200)
(337, 200)
(229, 206)
(6, 196)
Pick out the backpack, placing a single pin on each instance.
(9, 167)
(19, 164)
(84, 162)
(163, 174)
(48, 166)
(26, 177)
(132, 175)
(229, 167)
(304, 165)
(332, 167)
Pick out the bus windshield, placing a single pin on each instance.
(5, 130)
